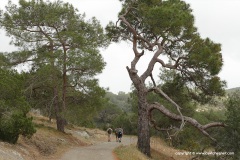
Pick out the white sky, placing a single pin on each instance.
(216, 19)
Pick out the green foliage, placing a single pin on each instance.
(12, 125)
(170, 23)
(165, 29)
(120, 100)
(107, 116)
(13, 108)
(39, 88)
(84, 107)
(191, 139)
(128, 121)
(176, 89)
(230, 137)
(4, 62)
(64, 52)
(117, 112)
(167, 15)
(60, 19)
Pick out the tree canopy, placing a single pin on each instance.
(58, 44)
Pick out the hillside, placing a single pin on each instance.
(49, 144)
(232, 90)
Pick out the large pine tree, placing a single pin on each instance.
(165, 30)
(53, 36)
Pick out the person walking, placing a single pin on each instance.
(119, 134)
(109, 132)
(116, 133)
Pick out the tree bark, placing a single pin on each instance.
(64, 76)
(143, 125)
(59, 120)
(143, 143)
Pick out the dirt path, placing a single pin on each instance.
(100, 150)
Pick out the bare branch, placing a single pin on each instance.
(155, 126)
(154, 83)
(214, 124)
(137, 54)
(167, 65)
(76, 69)
(159, 91)
(190, 120)
(151, 64)
(123, 19)
(21, 61)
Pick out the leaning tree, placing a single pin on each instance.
(165, 29)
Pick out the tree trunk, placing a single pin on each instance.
(59, 120)
(143, 125)
(143, 119)
(64, 92)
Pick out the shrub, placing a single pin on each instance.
(13, 108)
(230, 137)
(12, 125)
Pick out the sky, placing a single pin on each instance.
(216, 19)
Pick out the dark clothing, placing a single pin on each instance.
(119, 132)
(119, 135)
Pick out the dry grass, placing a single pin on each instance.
(47, 143)
(129, 153)
(160, 146)
(159, 151)
(132, 153)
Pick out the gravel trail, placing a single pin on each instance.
(98, 151)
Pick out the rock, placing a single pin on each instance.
(82, 134)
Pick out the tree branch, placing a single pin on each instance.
(160, 92)
(137, 55)
(190, 120)
(133, 30)
(154, 83)
(151, 64)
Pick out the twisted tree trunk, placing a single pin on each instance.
(143, 116)
(143, 125)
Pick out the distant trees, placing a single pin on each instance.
(121, 100)
(60, 49)
(117, 112)
(165, 29)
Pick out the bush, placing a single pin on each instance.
(13, 108)
(12, 125)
